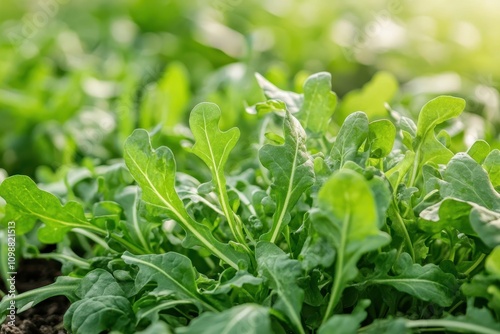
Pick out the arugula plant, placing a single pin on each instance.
(369, 225)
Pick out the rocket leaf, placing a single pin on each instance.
(282, 274)
(213, 146)
(154, 171)
(352, 229)
(293, 173)
(319, 103)
(29, 202)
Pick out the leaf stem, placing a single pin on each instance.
(130, 246)
(451, 325)
(402, 224)
(98, 240)
(414, 170)
(339, 265)
(63, 257)
(475, 264)
(236, 228)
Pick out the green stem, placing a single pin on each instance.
(339, 265)
(236, 228)
(130, 246)
(450, 325)
(414, 171)
(63, 257)
(98, 240)
(262, 137)
(475, 264)
(402, 225)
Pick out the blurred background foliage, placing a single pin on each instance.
(76, 77)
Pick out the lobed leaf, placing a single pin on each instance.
(30, 202)
(352, 229)
(171, 272)
(213, 146)
(292, 170)
(428, 283)
(154, 171)
(282, 274)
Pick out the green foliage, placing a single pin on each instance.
(292, 170)
(245, 319)
(351, 221)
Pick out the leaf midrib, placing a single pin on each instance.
(182, 219)
(288, 194)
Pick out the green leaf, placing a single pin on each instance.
(381, 135)
(354, 214)
(24, 223)
(470, 201)
(492, 166)
(98, 282)
(262, 108)
(63, 286)
(449, 213)
(352, 135)
(396, 174)
(154, 171)
(371, 98)
(29, 202)
(282, 274)
(426, 146)
(382, 195)
(171, 272)
(103, 306)
(479, 151)
(292, 170)
(346, 323)
(437, 111)
(137, 228)
(147, 308)
(492, 263)
(239, 279)
(316, 251)
(487, 225)
(100, 313)
(466, 180)
(352, 229)
(293, 101)
(319, 103)
(213, 146)
(241, 319)
(428, 283)
(467, 217)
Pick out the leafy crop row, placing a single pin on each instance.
(378, 228)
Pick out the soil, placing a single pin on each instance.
(43, 318)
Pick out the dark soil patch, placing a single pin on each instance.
(46, 317)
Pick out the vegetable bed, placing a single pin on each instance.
(319, 215)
